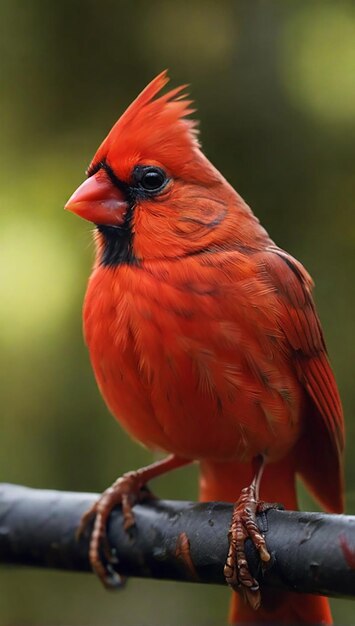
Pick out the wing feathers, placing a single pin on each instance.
(300, 324)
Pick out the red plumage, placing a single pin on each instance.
(202, 333)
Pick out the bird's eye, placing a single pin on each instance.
(150, 178)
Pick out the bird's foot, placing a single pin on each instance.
(244, 526)
(125, 491)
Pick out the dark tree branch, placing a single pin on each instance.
(311, 552)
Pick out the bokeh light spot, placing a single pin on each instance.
(37, 278)
(319, 59)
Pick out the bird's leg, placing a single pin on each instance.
(125, 491)
(244, 526)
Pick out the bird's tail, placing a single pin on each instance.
(223, 482)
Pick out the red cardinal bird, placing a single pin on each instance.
(205, 341)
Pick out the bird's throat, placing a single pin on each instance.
(116, 245)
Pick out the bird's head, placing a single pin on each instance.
(150, 190)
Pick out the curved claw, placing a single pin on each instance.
(126, 491)
(251, 597)
(244, 526)
(85, 521)
(112, 579)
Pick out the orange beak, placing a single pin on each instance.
(99, 201)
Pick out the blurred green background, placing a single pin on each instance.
(274, 85)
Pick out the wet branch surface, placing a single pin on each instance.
(311, 552)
